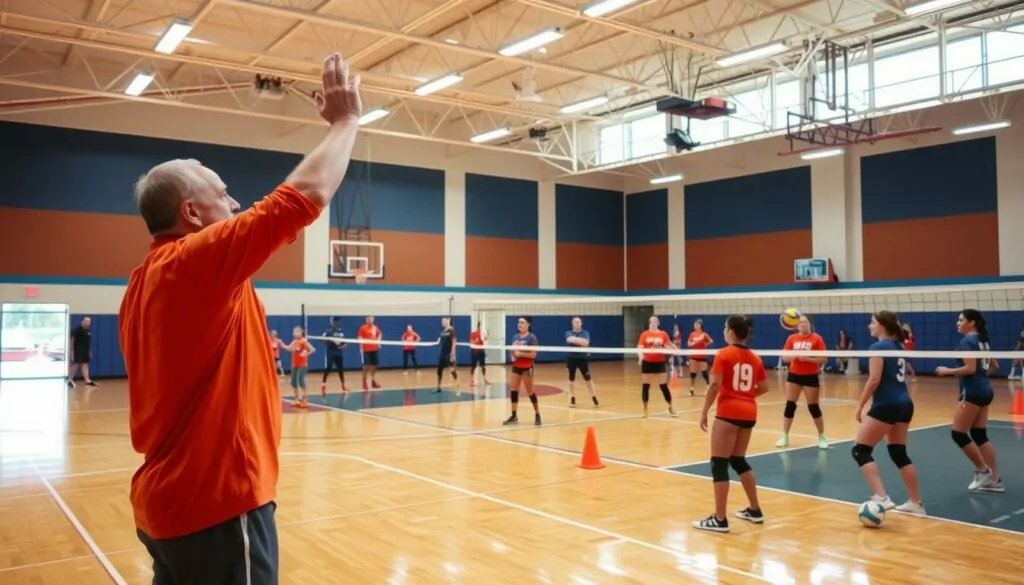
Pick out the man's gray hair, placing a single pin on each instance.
(159, 193)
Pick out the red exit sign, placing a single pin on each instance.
(30, 292)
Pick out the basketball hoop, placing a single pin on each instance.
(360, 275)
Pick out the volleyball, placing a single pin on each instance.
(789, 319)
(871, 514)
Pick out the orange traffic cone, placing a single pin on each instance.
(591, 459)
(1018, 402)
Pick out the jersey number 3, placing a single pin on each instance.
(901, 370)
(742, 377)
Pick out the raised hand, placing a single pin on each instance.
(339, 100)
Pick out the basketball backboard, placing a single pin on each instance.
(348, 257)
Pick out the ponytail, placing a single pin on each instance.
(979, 323)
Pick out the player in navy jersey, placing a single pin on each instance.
(889, 416)
(579, 337)
(334, 355)
(522, 371)
(446, 357)
(970, 421)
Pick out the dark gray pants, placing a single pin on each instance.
(241, 551)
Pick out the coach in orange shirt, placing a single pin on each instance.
(207, 413)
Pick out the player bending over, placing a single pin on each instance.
(804, 376)
(522, 371)
(970, 420)
(446, 359)
(653, 365)
(737, 379)
(579, 337)
(890, 415)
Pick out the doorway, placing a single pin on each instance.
(493, 321)
(634, 322)
(34, 340)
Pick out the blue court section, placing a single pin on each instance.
(943, 472)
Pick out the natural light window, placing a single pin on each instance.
(963, 65)
(1005, 52)
(787, 99)
(612, 142)
(647, 136)
(907, 77)
(751, 113)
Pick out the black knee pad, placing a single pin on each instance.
(815, 410)
(961, 439)
(514, 396)
(979, 436)
(898, 454)
(790, 410)
(719, 469)
(572, 376)
(587, 377)
(739, 465)
(862, 454)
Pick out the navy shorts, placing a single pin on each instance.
(891, 414)
(981, 399)
(241, 551)
(370, 358)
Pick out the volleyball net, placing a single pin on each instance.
(614, 324)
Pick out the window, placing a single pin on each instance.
(612, 144)
(1005, 55)
(647, 136)
(751, 114)
(787, 99)
(963, 65)
(707, 131)
(907, 77)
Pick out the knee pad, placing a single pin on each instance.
(739, 465)
(790, 410)
(979, 436)
(898, 454)
(961, 439)
(587, 377)
(862, 454)
(514, 396)
(719, 469)
(572, 375)
(815, 410)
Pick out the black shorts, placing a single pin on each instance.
(574, 364)
(522, 371)
(890, 414)
(647, 367)
(445, 361)
(241, 550)
(370, 358)
(805, 380)
(981, 399)
(743, 424)
(84, 359)
(478, 357)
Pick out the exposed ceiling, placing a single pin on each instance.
(56, 52)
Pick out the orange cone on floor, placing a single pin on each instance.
(591, 459)
(1018, 402)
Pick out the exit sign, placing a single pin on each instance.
(30, 292)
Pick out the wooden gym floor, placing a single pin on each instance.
(405, 486)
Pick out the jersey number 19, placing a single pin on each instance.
(742, 377)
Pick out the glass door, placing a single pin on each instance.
(34, 340)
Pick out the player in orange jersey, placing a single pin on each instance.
(652, 364)
(678, 361)
(699, 339)
(804, 376)
(737, 379)
(300, 348)
(409, 350)
(276, 344)
(522, 371)
(369, 332)
(477, 355)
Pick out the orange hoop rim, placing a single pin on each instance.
(359, 274)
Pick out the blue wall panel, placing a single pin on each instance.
(936, 181)
(398, 198)
(588, 216)
(772, 202)
(499, 207)
(647, 218)
(78, 170)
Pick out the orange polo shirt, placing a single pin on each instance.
(205, 414)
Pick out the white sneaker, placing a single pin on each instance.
(672, 412)
(886, 502)
(782, 442)
(912, 508)
(822, 441)
(987, 483)
(981, 478)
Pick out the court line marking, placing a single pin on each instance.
(684, 560)
(82, 532)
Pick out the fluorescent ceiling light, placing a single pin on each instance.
(753, 54)
(438, 84)
(667, 179)
(173, 36)
(139, 84)
(997, 125)
(491, 135)
(822, 154)
(585, 105)
(373, 116)
(602, 7)
(930, 6)
(534, 41)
